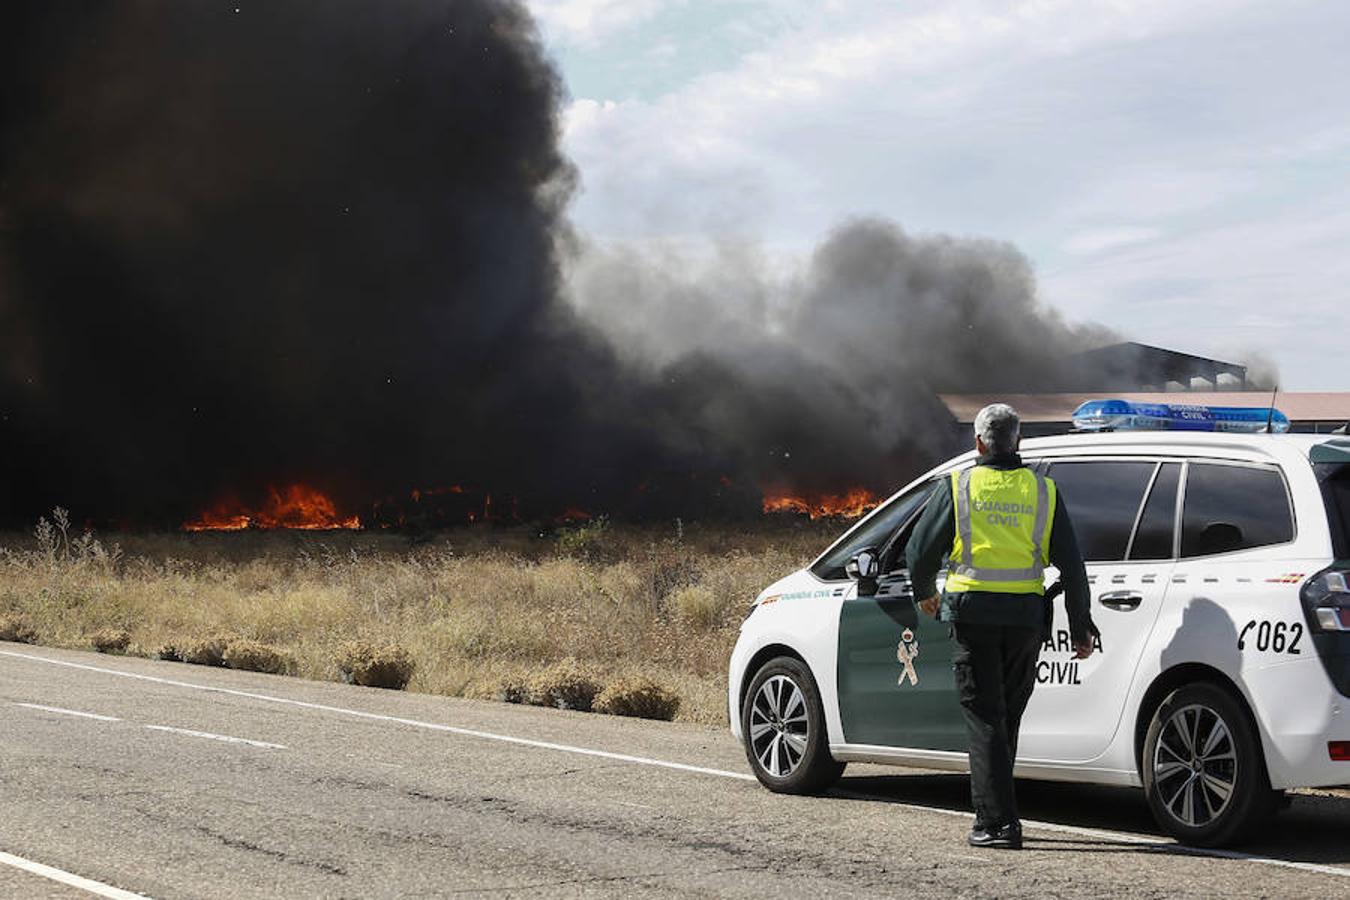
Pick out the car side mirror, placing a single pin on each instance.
(864, 568)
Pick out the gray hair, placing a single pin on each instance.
(999, 427)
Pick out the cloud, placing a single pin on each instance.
(1096, 240)
(588, 21)
(829, 100)
(1134, 141)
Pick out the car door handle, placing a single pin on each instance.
(1121, 600)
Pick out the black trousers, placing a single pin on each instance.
(995, 673)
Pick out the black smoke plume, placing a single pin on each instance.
(253, 244)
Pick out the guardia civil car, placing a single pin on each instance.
(1218, 564)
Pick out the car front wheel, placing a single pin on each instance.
(783, 724)
(1202, 767)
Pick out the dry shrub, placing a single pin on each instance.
(637, 696)
(12, 628)
(169, 653)
(590, 542)
(670, 566)
(252, 656)
(566, 685)
(509, 689)
(371, 665)
(111, 640)
(697, 606)
(208, 651)
(622, 584)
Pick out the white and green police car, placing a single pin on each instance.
(1219, 567)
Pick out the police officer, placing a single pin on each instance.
(998, 525)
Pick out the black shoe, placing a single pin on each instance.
(1001, 837)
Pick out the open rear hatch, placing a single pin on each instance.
(1326, 596)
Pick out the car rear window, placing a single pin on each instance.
(1230, 507)
(1335, 481)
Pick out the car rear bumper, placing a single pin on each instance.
(1299, 712)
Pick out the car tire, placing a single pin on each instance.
(783, 724)
(1203, 770)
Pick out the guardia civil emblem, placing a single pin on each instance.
(906, 653)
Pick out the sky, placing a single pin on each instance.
(1178, 171)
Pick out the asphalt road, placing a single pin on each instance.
(212, 783)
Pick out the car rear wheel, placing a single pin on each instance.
(783, 724)
(1202, 767)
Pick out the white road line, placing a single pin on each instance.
(67, 878)
(216, 737)
(1093, 833)
(69, 712)
(415, 723)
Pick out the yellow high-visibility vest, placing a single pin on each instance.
(1003, 522)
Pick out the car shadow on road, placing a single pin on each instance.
(1311, 829)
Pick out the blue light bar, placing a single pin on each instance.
(1124, 415)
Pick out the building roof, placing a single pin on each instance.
(1330, 406)
(1133, 365)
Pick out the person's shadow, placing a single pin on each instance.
(1311, 829)
(1206, 635)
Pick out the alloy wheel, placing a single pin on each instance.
(779, 730)
(1195, 765)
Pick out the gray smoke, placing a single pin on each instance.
(827, 376)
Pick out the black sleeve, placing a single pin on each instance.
(931, 542)
(1065, 556)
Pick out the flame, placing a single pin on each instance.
(298, 506)
(849, 505)
(418, 493)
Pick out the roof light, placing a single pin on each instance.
(1125, 415)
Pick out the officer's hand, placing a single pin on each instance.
(1082, 651)
(930, 605)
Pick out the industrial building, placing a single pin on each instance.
(1145, 374)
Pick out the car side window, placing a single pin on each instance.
(874, 531)
(1103, 498)
(1231, 507)
(1157, 523)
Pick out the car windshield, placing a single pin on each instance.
(1335, 480)
(872, 532)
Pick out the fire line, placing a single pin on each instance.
(296, 507)
(849, 505)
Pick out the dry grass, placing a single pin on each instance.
(504, 613)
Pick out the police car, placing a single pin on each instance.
(1218, 565)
